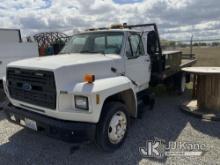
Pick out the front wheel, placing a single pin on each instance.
(113, 126)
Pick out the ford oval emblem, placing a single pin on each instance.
(26, 87)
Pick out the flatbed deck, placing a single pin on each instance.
(187, 62)
(171, 71)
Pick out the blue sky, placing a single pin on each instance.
(48, 3)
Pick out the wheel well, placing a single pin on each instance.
(127, 98)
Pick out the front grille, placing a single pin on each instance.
(32, 86)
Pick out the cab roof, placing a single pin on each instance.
(110, 30)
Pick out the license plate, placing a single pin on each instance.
(30, 124)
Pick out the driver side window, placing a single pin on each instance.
(135, 47)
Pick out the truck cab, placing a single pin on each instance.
(89, 91)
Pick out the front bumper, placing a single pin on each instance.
(67, 131)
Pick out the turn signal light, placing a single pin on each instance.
(90, 78)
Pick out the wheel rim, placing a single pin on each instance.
(117, 127)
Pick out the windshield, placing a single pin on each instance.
(104, 42)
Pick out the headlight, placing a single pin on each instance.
(81, 102)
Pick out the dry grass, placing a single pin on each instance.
(207, 56)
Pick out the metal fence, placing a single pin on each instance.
(189, 45)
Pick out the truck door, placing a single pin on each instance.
(138, 61)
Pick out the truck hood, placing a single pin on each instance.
(70, 69)
(59, 61)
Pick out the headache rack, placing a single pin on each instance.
(35, 87)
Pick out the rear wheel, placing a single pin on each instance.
(113, 126)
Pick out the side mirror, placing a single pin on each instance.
(151, 43)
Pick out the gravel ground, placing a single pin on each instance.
(166, 122)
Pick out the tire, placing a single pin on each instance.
(112, 111)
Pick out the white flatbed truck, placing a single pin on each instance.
(90, 91)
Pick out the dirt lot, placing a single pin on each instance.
(166, 122)
(207, 56)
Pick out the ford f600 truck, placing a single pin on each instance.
(94, 87)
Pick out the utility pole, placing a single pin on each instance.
(191, 46)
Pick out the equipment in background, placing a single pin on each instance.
(205, 102)
(50, 43)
